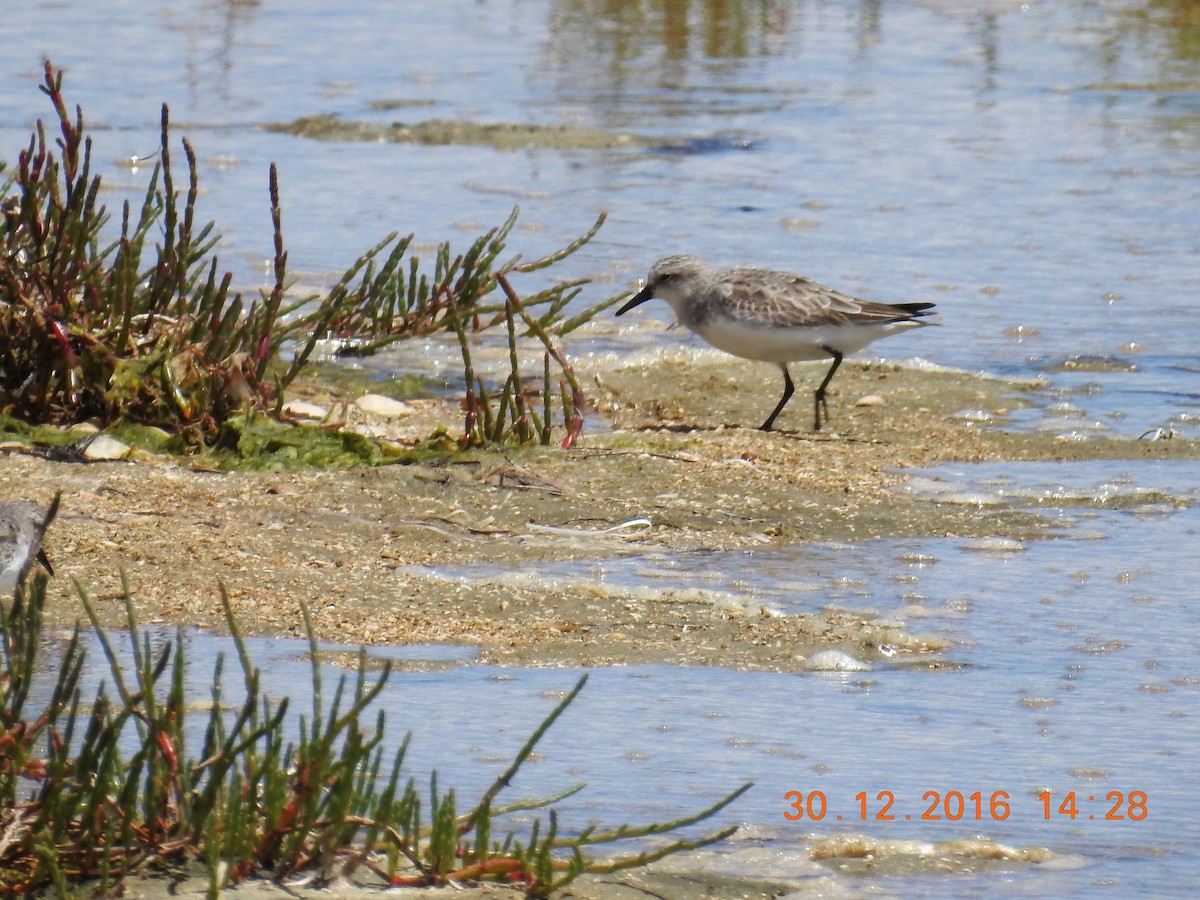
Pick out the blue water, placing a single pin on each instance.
(1033, 168)
(1027, 166)
(1073, 670)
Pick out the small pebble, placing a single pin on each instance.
(304, 410)
(995, 545)
(379, 405)
(836, 661)
(104, 447)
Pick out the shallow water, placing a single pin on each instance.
(1031, 167)
(1076, 671)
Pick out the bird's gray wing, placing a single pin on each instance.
(793, 301)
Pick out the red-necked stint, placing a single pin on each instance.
(774, 317)
(23, 524)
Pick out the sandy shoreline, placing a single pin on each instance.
(378, 554)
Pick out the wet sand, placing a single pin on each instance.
(667, 443)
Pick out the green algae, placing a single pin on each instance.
(445, 132)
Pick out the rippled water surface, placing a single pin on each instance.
(1034, 168)
(1072, 668)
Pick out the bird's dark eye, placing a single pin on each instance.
(666, 276)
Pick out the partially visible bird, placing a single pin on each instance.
(23, 526)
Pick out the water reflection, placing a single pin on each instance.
(640, 41)
(1176, 20)
(212, 35)
(711, 29)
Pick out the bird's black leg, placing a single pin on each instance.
(819, 398)
(788, 390)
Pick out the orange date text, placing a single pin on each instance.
(970, 806)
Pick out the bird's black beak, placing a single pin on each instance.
(45, 561)
(637, 299)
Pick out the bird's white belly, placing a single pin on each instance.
(12, 568)
(784, 345)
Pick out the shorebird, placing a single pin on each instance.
(774, 317)
(23, 524)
